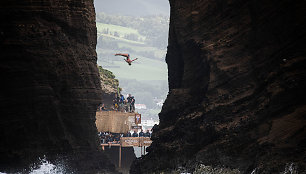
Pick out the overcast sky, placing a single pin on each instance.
(133, 7)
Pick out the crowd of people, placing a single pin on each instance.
(124, 105)
(120, 104)
(140, 134)
(114, 138)
(107, 137)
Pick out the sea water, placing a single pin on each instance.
(46, 167)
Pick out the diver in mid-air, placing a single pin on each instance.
(128, 60)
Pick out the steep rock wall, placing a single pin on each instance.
(50, 85)
(237, 88)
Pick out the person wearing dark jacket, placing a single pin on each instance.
(129, 101)
(110, 138)
(148, 134)
(141, 134)
(133, 104)
(135, 134)
(117, 138)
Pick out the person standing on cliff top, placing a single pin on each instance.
(116, 102)
(129, 102)
(128, 60)
(121, 103)
(132, 104)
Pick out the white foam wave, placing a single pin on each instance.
(46, 167)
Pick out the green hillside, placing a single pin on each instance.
(115, 28)
(119, 39)
(120, 33)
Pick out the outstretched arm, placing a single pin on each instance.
(134, 59)
(124, 55)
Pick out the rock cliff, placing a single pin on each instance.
(110, 87)
(50, 86)
(237, 82)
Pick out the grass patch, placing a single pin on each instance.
(121, 31)
(113, 28)
(120, 39)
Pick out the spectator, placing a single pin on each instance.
(117, 138)
(121, 102)
(126, 105)
(133, 104)
(128, 134)
(129, 101)
(141, 134)
(103, 107)
(116, 102)
(103, 137)
(135, 134)
(148, 134)
(110, 138)
(106, 140)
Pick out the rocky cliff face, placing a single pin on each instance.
(50, 84)
(110, 87)
(237, 88)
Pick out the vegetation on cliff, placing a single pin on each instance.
(109, 83)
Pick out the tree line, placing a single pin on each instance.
(152, 27)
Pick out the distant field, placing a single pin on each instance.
(136, 47)
(113, 28)
(120, 39)
(119, 29)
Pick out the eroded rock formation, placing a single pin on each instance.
(50, 85)
(237, 82)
